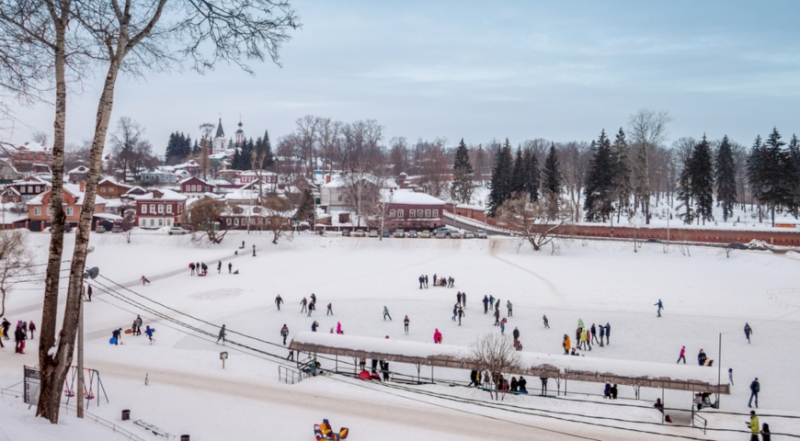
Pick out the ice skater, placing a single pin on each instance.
(747, 332)
(303, 305)
(221, 335)
(546, 323)
(284, 333)
(278, 301)
(386, 313)
(683, 355)
(405, 324)
(755, 388)
(660, 307)
(144, 280)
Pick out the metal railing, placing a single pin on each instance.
(288, 375)
(697, 419)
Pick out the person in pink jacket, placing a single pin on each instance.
(437, 337)
(339, 328)
(683, 355)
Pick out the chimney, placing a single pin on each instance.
(82, 186)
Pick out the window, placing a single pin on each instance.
(412, 213)
(102, 189)
(208, 188)
(391, 213)
(169, 209)
(37, 189)
(153, 208)
(37, 211)
(169, 222)
(48, 211)
(427, 213)
(144, 208)
(400, 213)
(69, 211)
(340, 198)
(160, 222)
(152, 222)
(435, 213)
(236, 221)
(160, 208)
(30, 189)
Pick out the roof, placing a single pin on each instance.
(73, 189)
(195, 177)
(167, 195)
(111, 181)
(339, 181)
(408, 197)
(589, 369)
(79, 169)
(33, 147)
(109, 216)
(220, 132)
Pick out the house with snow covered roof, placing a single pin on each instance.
(30, 153)
(338, 190)
(159, 208)
(195, 188)
(78, 174)
(412, 210)
(29, 187)
(8, 172)
(39, 207)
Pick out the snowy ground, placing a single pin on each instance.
(704, 295)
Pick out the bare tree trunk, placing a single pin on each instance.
(50, 388)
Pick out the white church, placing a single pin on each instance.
(220, 144)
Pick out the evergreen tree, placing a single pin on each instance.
(518, 175)
(794, 154)
(531, 174)
(500, 185)
(622, 172)
(173, 148)
(778, 175)
(755, 176)
(702, 180)
(305, 209)
(196, 150)
(462, 186)
(269, 158)
(178, 148)
(551, 182)
(599, 201)
(725, 175)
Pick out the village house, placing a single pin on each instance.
(109, 188)
(195, 188)
(39, 207)
(25, 156)
(410, 210)
(78, 174)
(159, 208)
(7, 172)
(29, 187)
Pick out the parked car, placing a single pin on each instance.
(425, 234)
(100, 229)
(116, 229)
(480, 234)
(346, 233)
(373, 233)
(412, 234)
(455, 234)
(358, 233)
(176, 230)
(469, 235)
(385, 233)
(441, 234)
(399, 233)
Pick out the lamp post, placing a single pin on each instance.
(91, 273)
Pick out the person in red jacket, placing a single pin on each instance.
(437, 337)
(683, 355)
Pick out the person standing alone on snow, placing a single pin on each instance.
(219, 267)
(284, 333)
(278, 301)
(460, 315)
(546, 323)
(730, 375)
(510, 308)
(755, 388)
(485, 304)
(747, 331)
(330, 309)
(660, 307)
(405, 324)
(386, 313)
(683, 355)
(303, 305)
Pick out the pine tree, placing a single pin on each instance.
(755, 176)
(531, 175)
(551, 182)
(305, 209)
(622, 172)
(500, 184)
(702, 180)
(172, 148)
(725, 175)
(778, 175)
(794, 154)
(196, 150)
(599, 201)
(518, 175)
(269, 159)
(685, 191)
(462, 186)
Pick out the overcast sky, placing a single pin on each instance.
(483, 70)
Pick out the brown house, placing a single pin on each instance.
(408, 209)
(39, 207)
(110, 189)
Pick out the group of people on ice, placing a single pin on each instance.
(135, 330)
(585, 337)
(20, 334)
(447, 282)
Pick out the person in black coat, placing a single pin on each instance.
(701, 358)
(522, 385)
(485, 304)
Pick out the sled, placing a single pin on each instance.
(708, 363)
(326, 433)
(129, 331)
(113, 341)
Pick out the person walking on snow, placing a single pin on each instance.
(510, 308)
(230, 267)
(755, 388)
(460, 315)
(458, 297)
(303, 305)
(405, 324)
(660, 307)
(148, 331)
(753, 425)
(219, 267)
(455, 311)
(566, 344)
(386, 313)
(683, 355)
(496, 317)
(546, 323)
(421, 281)
(330, 309)
(464, 299)
(485, 304)
(284, 333)
(254, 250)
(730, 375)
(311, 307)
(278, 301)
(503, 326)
(144, 280)
(5, 325)
(426, 281)
(221, 335)
(747, 331)
(437, 336)
(89, 292)
(313, 298)
(32, 328)
(491, 301)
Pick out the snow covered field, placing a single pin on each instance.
(189, 392)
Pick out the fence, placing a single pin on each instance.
(289, 375)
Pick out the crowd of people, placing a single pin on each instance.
(21, 332)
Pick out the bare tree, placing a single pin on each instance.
(128, 222)
(398, 156)
(362, 160)
(125, 144)
(575, 157)
(16, 261)
(434, 168)
(76, 155)
(111, 30)
(279, 217)
(533, 221)
(647, 129)
(494, 353)
(203, 218)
